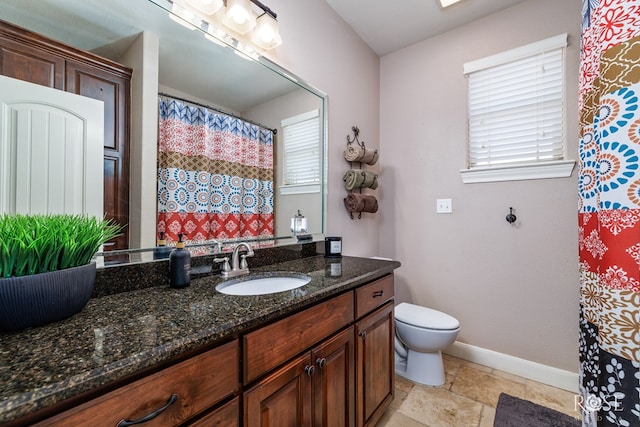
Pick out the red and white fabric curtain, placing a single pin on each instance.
(609, 213)
(215, 174)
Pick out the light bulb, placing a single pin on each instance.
(267, 34)
(239, 16)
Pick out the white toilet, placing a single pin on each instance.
(421, 334)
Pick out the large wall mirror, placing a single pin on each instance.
(171, 58)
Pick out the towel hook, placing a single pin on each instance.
(511, 218)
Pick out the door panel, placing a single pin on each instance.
(374, 366)
(334, 382)
(283, 399)
(31, 64)
(51, 151)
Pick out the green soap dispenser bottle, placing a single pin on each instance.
(179, 265)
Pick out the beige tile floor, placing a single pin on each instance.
(468, 398)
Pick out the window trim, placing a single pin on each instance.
(518, 171)
(542, 170)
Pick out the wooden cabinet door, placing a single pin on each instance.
(110, 86)
(23, 61)
(374, 365)
(283, 399)
(334, 381)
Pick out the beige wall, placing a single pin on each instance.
(513, 288)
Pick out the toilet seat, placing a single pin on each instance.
(423, 317)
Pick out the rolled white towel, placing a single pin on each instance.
(353, 153)
(370, 157)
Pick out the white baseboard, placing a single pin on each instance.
(549, 375)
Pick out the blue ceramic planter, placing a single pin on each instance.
(39, 299)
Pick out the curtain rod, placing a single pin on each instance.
(274, 131)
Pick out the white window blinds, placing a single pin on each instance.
(516, 105)
(302, 149)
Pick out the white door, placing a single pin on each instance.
(51, 150)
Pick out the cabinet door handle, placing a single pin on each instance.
(309, 369)
(149, 417)
(321, 362)
(378, 294)
(362, 334)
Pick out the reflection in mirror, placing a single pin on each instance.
(169, 58)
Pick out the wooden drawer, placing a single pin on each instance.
(373, 295)
(198, 383)
(227, 415)
(274, 344)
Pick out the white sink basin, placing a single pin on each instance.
(262, 285)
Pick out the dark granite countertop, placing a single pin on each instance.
(121, 334)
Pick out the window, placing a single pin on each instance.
(516, 114)
(301, 164)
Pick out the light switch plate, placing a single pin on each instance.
(443, 206)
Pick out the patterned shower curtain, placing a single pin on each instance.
(215, 174)
(609, 213)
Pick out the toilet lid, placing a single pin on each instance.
(424, 317)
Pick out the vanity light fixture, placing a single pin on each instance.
(237, 15)
(446, 3)
(267, 35)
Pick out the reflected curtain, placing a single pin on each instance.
(609, 213)
(215, 174)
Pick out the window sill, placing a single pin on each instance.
(299, 189)
(556, 169)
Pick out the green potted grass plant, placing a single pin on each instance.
(46, 268)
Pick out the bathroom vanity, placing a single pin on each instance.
(318, 355)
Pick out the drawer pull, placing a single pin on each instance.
(378, 294)
(309, 369)
(321, 362)
(125, 423)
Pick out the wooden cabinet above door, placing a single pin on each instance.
(34, 58)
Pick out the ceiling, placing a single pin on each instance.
(107, 27)
(388, 25)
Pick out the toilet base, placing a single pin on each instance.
(422, 368)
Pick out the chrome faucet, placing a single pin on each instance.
(239, 264)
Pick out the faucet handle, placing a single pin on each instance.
(225, 266)
(243, 261)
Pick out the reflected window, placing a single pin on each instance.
(301, 142)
